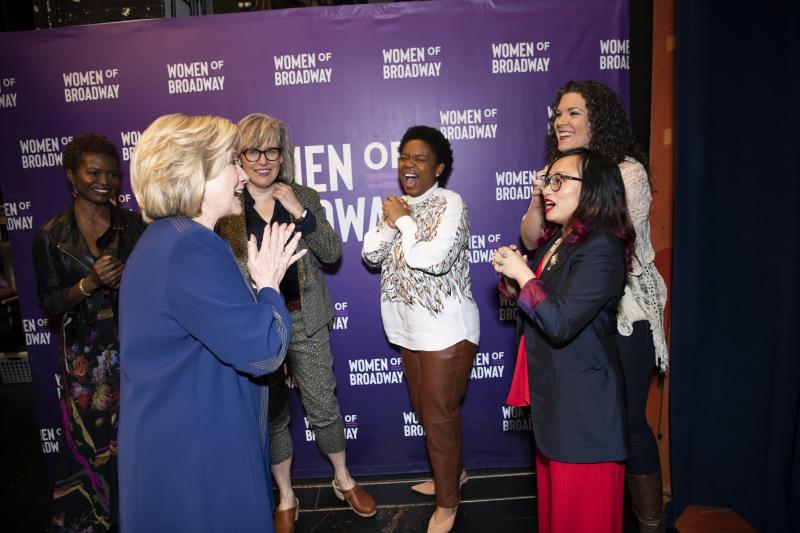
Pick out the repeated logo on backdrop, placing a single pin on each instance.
(349, 420)
(458, 124)
(615, 54)
(375, 371)
(19, 215)
(303, 68)
(413, 62)
(43, 152)
(91, 85)
(196, 77)
(513, 58)
(8, 93)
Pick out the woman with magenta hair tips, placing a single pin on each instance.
(568, 304)
(589, 115)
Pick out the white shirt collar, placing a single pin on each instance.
(422, 197)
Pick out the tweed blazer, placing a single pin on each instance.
(324, 246)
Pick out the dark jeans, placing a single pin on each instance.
(637, 353)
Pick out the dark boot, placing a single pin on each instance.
(647, 501)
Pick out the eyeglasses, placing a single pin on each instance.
(556, 180)
(273, 153)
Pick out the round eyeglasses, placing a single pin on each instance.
(254, 154)
(556, 180)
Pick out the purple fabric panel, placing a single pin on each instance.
(348, 81)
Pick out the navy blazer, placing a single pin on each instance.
(193, 448)
(577, 396)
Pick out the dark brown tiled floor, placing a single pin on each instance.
(494, 501)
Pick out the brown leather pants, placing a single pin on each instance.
(436, 383)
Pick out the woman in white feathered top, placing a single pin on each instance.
(421, 245)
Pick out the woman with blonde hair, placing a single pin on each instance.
(271, 195)
(193, 427)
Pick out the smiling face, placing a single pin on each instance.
(222, 193)
(96, 179)
(262, 173)
(571, 122)
(560, 205)
(417, 168)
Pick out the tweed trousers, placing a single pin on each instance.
(310, 363)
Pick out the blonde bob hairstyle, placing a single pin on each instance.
(257, 130)
(173, 159)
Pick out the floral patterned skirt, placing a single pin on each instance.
(85, 496)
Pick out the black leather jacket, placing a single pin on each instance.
(61, 258)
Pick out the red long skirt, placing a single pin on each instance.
(579, 498)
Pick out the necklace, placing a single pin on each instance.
(553, 257)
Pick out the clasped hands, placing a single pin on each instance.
(395, 207)
(509, 261)
(268, 264)
(106, 272)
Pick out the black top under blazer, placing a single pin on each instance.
(570, 327)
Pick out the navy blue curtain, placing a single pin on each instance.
(735, 393)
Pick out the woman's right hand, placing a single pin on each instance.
(106, 272)
(509, 261)
(268, 264)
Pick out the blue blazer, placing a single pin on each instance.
(570, 325)
(193, 448)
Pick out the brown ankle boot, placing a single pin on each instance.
(647, 501)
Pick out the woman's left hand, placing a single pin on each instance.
(508, 261)
(285, 195)
(268, 264)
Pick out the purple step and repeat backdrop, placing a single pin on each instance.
(348, 81)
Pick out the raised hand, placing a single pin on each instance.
(285, 195)
(268, 264)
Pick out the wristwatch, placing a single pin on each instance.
(302, 217)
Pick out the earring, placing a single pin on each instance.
(74, 192)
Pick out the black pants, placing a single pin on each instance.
(637, 353)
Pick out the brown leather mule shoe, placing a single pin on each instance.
(360, 502)
(285, 519)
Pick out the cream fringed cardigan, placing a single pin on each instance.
(645, 292)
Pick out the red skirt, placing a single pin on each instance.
(579, 497)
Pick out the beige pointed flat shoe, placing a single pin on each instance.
(428, 488)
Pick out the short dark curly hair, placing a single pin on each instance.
(88, 143)
(610, 132)
(438, 143)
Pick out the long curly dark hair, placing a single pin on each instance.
(610, 132)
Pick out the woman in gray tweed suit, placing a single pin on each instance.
(270, 196)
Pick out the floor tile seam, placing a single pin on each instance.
(419, 504)
(411, 480)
